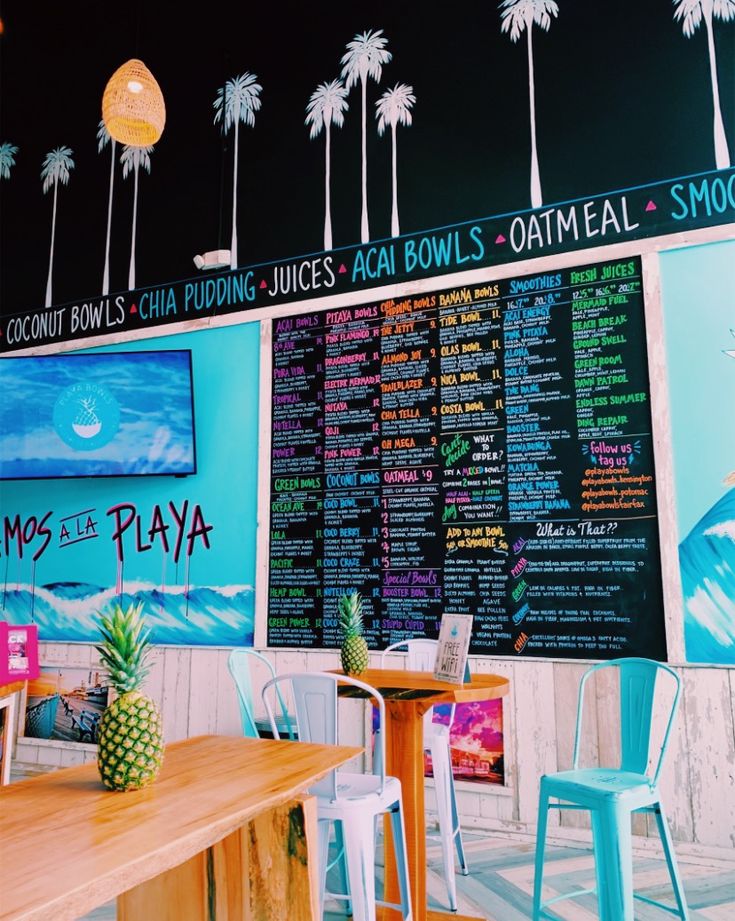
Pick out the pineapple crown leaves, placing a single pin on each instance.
(125, 646)
(349, 608)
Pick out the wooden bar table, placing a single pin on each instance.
(224, 834)
(408, 695)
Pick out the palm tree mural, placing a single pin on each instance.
(236, 102)
(364, 58)
(517, 16)
(132, 158)
(327, 105)
(103, 139)
(56, 167)
(7, 158)
(691, 13)
(394, 108)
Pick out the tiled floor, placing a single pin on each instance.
(500, 884)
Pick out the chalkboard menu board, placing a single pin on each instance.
(484, 450)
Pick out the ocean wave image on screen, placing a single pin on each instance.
(96, 415)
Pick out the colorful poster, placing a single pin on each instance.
(183, 546)
(475, 739)
(476, 742)
(66, 704)
(698, 287)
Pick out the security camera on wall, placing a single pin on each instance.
(215, 259)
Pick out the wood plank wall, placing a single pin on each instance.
(196, 695)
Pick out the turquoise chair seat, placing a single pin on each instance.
(285, 726)
(612, 795)
(593, 783)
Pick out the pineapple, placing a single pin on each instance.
(130, 750)
(87, 423)
(354, 651)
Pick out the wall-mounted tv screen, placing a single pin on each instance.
(101, 414)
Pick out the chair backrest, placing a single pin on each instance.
(315, 707)
(238, 664)
(421, 654)
(637, 694)
(420, 657)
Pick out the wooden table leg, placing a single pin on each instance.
(404, 758)
(265, 871)
(404, 755)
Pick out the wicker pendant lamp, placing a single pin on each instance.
(133, 109)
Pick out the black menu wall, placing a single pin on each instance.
(482, 449)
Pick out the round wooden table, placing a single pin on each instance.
(408, 695)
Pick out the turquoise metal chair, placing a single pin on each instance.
(612, 795)
(238, 665)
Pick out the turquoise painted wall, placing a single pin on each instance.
(203, 597)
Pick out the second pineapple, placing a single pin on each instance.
(354, 650)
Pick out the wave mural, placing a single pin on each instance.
(707, 561)
(197, 616)
(699, 281)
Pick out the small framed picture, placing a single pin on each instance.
(66, 704)
(476, 742)
(18, 652)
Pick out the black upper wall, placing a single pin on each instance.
(622, 98)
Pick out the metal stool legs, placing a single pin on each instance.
(359, 842)
(663, 830)
(446, 805)
(612, 841)
(358, 858)
(398, 830)
(543, 817)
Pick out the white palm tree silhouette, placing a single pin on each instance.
(364, 58)
(327, 105)
(394, 108)
(56, 167)
(239, 100)
(7, 158)
(132, 158)
(731, 353)
(103, 138)
(692, 12)
(518, 15)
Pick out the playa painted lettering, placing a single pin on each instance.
(125, 516)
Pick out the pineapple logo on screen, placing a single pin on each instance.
(86, 416)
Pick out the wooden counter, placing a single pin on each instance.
(218, 837)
